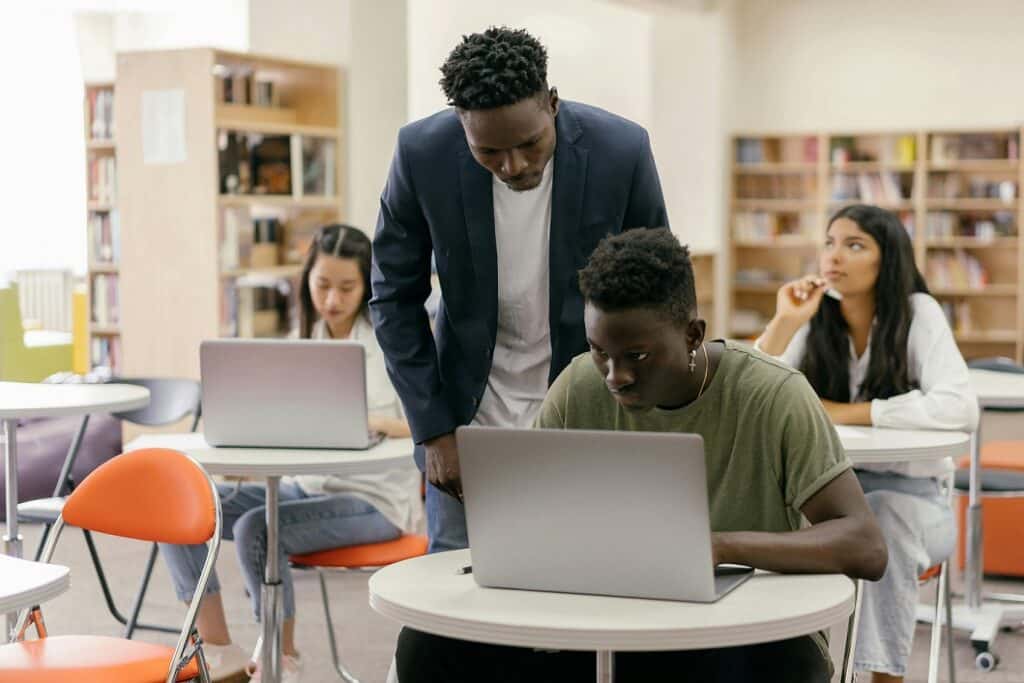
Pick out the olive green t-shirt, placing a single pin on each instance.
(768, 443)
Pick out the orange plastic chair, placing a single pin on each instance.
(156, 495)
(366, 556)
(1002, 505)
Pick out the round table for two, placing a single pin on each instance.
(272, 464)
(25, 584)
(429, 594)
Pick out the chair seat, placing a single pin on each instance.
(930, 573)
(87, 659)
(43, 510)
(992, 481)
(366, 555)
(999, 455)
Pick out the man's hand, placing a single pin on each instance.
(443, 464)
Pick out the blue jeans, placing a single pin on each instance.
(446, 516)
(306, 524)
(917, 524)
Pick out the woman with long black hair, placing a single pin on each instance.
(878, 350)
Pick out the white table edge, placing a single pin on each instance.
(619, 641)
(39, 594)
(78, 409)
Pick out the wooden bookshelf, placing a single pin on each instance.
(102, 225)
(262, 160)
(704, 283)
(957, 191)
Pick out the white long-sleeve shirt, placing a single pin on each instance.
(944, 399)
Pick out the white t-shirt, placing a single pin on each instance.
(944, 400)
(518, 380)
(394, 492)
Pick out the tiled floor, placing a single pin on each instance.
(366, 639)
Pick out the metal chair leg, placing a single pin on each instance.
(949, 623)
(130, 626)
(936, 634)
(846, 675)
(108, 597)
(338, 666)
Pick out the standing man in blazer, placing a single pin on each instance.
(510, 190)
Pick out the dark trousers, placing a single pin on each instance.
(426, 658)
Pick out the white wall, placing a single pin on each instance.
(314, 30)
(222, 23)
(95, 34)
(835, 64)
(598, 52)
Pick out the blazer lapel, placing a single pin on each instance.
(567, 191)
(478, 208)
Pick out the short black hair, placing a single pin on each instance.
(642, 268)
(498, 67)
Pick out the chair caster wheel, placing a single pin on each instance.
(986, 661)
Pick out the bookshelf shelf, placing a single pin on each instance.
(276, 128)
(971, 204)
(265, 168)
(284, 271)
(777, 243)
(957, 193)
(977, 165)
(775, 204)
(102, 225)
(971, 243)
(278, 200)
(987, 337)
(987, 290)
(871, 167)
(776, 167)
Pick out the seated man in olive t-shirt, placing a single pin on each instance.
(772, 458)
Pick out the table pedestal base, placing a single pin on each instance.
(605, 666)
(983, 623)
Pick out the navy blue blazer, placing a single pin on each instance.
(438, 200)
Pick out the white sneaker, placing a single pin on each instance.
(224, 661)
(291, 670)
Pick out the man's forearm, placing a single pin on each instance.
(838, 546)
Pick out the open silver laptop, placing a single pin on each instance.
(284, 393)
(601, 512)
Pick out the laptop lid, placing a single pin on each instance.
(284, 393)
(601, 512)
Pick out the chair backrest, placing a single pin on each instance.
(153, 494)
(11, 328)
(170, 400)
(1000, 364)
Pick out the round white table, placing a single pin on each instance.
(24, 400)
(26, 584)
(873, 445)
(428, 593)
(272, 464)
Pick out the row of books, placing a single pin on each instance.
(106, 353)
(956, 269)
(776, 186)
(769, 226)
(104, 237)
(888, 149)
(100, 112)
(105, 300)
(102, 179)
(944, 185)
(948, 224)
(872, 188)
(967, 146)
(256, 307)
(775, 150)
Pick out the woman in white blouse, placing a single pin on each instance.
(878, 350)
(316, 512)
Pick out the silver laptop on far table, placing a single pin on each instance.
(284, 393)
(600, 512)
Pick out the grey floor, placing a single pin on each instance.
(367, 639)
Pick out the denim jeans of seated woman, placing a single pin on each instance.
(306, 524)
(917, 524)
